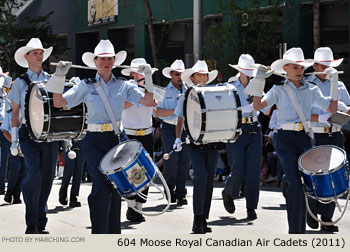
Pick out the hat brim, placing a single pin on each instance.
(247, 72)
(333, 63)
(277, 65)
(185, 76)
(127, 71)
(234, 78)
(19, 54)
(88, 58)
(166, 71)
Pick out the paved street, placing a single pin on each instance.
(272, 216)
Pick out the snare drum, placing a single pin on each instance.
(211, 114)
(325, 172)
(47, 123)
(129, 168)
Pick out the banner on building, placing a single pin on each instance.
(102, 11)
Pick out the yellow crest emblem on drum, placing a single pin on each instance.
(136, 174)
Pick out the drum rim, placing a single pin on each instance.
(327, 198)
(125, 165)
(303, 170)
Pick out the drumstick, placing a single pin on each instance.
(339, 72)
(94, 68)
(275, 73)
(166, 156)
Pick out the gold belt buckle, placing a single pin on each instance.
(326, 129)
(244, 120)
(139, 133)
(106, 127)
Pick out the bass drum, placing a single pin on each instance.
(46, 123)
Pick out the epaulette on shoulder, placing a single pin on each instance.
(90, 80)
(280, 83)
(311, 82)
(121, 78)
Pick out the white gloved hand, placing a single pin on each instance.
(263, 72)
(5, 81)
(324, 118)
(332, 75)
(56, 83)
(256, 85)
(342, 107)
(177, 145)
(247, 108)
(147, 71)
(15, 141)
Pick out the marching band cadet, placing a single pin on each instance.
(176, 168)
(292, 139)
(5, 82)
(244, 155)
(324, 132)
(104, 201)
(137, 123)
(40, 158)
(16, 163)
(203, 157)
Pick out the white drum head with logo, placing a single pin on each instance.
(36, 111)
(322, 159)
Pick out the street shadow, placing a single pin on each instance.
(228, 221)
(58, 209)
(281, 207)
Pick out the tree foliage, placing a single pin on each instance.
(13, 35)
(245, 28)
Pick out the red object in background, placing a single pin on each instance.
(61, 159)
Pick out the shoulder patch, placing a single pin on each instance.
(90, 80)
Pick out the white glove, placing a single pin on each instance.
(56, 83)
(256, 85)
(332, 75)
(5, 81)
(263, 72)
(177, 145)
(324, 118)
(147, 71)
(342, 107)
(247, 108)
(15, 141)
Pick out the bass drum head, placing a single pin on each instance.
(120, 156)
(322, 159)
(193, 114)
(36, 111)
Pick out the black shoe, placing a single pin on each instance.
(251, 214)
(73, 202)
(181, 201)
(131, 215)
(198, 225)
(206, 228)
(8, 198)
(140, 217)
(62, 197)
(328, 228)
(172, 198)
(228, 202)
(43, 231)
(311, 222)
(2, 191)
(31, 230)
(17, 201)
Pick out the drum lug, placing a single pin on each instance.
(46, 118)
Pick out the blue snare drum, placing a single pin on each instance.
(325, 172)
(129, 168)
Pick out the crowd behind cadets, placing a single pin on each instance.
(244, 161)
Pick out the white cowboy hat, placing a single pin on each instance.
(33, 44)
(104, 49)
(324, 56)
(292, 56)
(178, 66)
(135, 63)
(200, 67)
(245, 65)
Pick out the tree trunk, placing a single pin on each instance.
(316, 12)
(151, 37)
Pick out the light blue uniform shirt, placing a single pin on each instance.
(19, 88)
(325, 88)
(308, 96)
(171, 99)
(6, 125)
(117, 91)
(243, 97)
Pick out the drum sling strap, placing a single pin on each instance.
(306, 123)
(115, 123)
(26, 79)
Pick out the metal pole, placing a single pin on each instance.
(197, 29)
